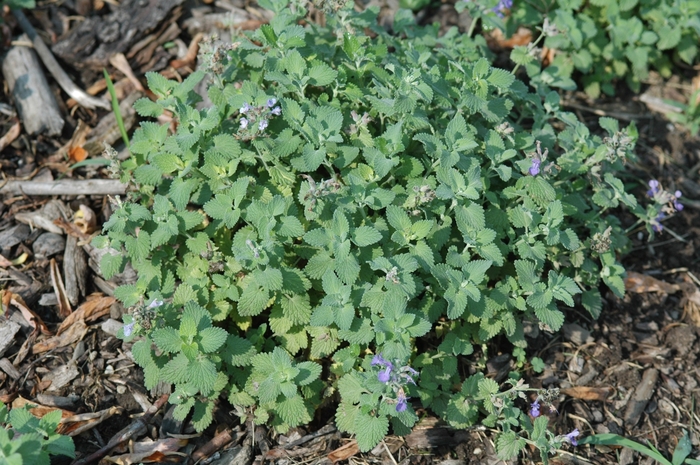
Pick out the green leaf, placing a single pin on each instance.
(146, 107)
(398, 218)
(350, 387)
(202, 374)
(366, 235)
(293, 411)
(203, 415)
(509, 445)
(176, 370)
(212, 338)
(308, 372)
(370, 430)
(551, 317)
(254, 299)
(501, 78)
(112, 264)
(321, 75)
(167, 339)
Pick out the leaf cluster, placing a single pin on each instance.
(387, 204)
(25, 439)
(601, 42)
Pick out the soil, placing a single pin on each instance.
(632, 372)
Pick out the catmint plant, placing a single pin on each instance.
(339, 200)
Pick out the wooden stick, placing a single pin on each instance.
(55, 69)
(137, 428)
(64, 187)
(33, 98)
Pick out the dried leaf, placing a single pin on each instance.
(151, 452)
(64, 308)
(589, 393)
(344, 452)
(120, 62)
(39, 410)
(32, 318)
(523, 36)
(74, 425)
(96, 306)
(73, 334)
(4, 263)
(10, 135)
(74, 148)
(642, 283)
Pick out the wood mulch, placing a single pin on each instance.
(632, 372)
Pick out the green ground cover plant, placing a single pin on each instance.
(353, 214)
(27, 440)
(601, 42)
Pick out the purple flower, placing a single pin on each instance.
(244, 123)
(676, 204)
(271, 102)
(656, 223)
(535, 167)
(379, 360)
(128, 329)
(276, 111)
(571, 437)
(402, 401)
(245, 108)
(502, 5)
(535, 409)
(654, 184)
(385, 375)
(156, 303)
(262, 125)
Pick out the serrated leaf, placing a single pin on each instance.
(203, 415)
(321, 75)
(167, 339)
(501, 78)
(370, 430)
(176, 370)
(202, 374)
(398, 218)
(293, 411)
(509, 445)
(366, 235)
(254, 299)
(551, 317)
(350, 388)
(345, 417)
(145, 107)
(308, 372)
(212, 338)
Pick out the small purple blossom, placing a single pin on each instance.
(244, 123)
(402, 404)
(276, 111)
(535, 409)
(262, 125)
(128, 329)
(656, 224)
(385, 375)
(245, 108)
(156, 303)
(379, 360)
(502, 5)
(271, 102)
(571, 437)
(535, 167)
(654, 184)
(676, 204)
